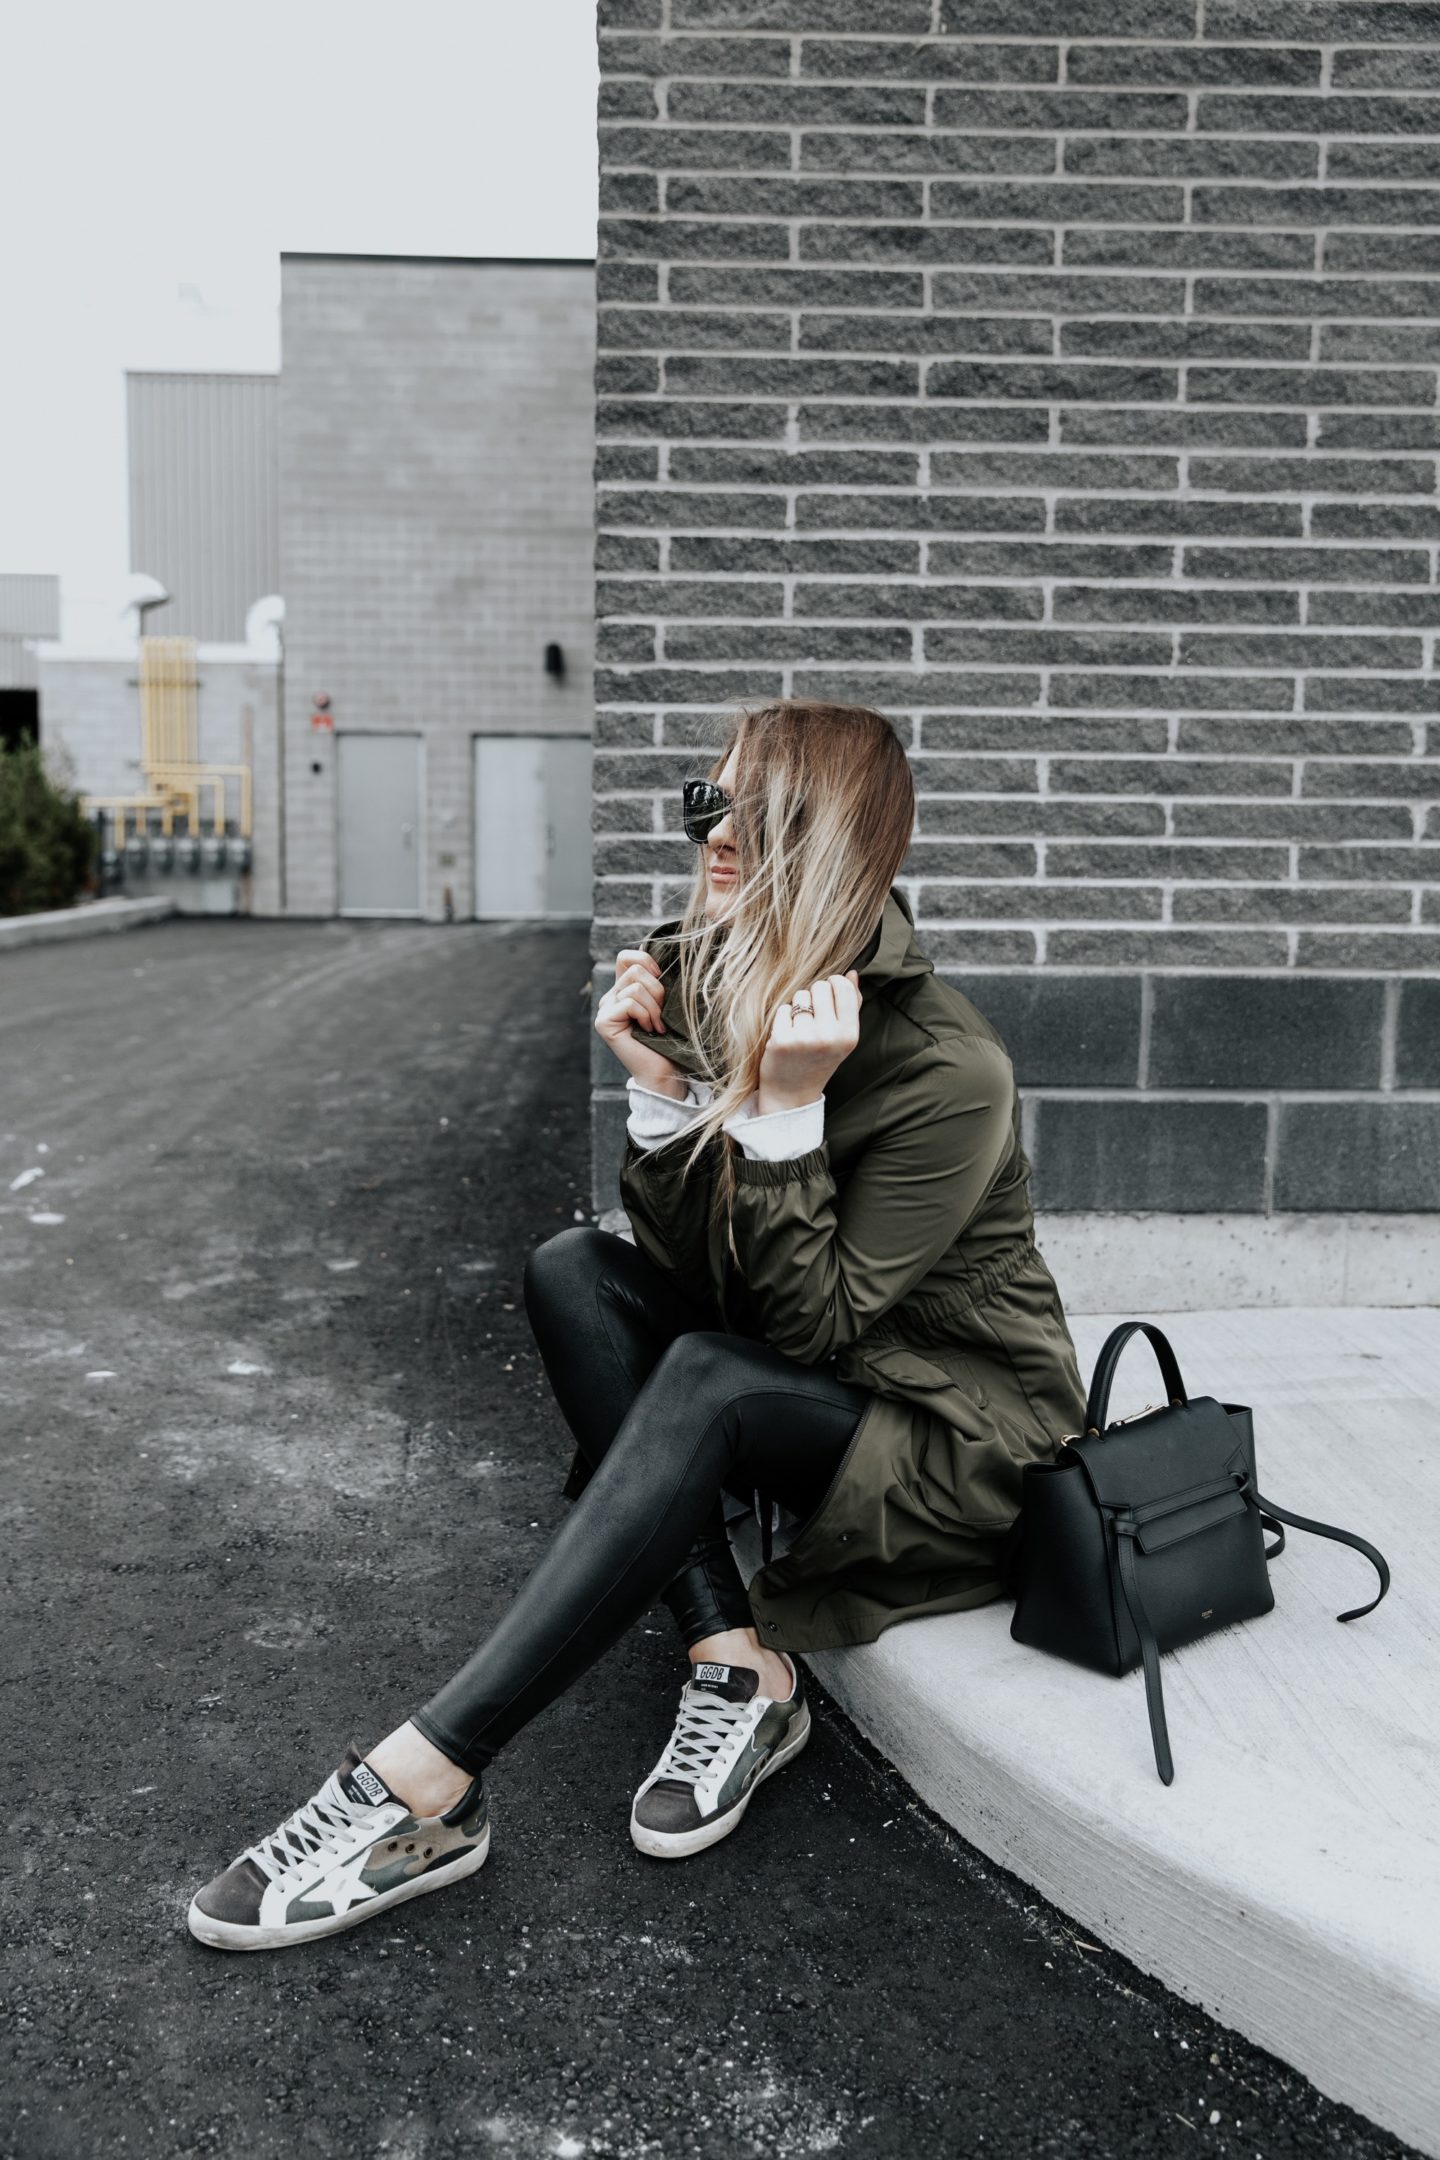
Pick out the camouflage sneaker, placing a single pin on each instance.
(728, 1738)
(350, 1852)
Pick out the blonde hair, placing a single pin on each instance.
(823, 815)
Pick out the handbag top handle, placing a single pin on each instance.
(1109, 1358)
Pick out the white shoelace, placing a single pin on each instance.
(706, 1722)
(322, 1824)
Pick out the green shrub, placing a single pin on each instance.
(47, 844)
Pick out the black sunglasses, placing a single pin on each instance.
(703, 803)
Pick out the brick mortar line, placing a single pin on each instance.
(1278, 1096)
(1057, 882)
(1012, 311)
(1110, 971)
(1304, 458)
(1199, 41)
(1404, 96)
(1062, 43)
(1037, 130)
(1009, 220)
(1237, 87)
(961, 670)
(1271, 1154)
(1069, 489)
(883, 580)
(1165, 839)
(982, 490)
(925, 401)
(1056, 181)
(1132, 183)
(1076, 537)
(921, 402)
(1323, 140)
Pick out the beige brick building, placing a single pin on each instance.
(436, 436)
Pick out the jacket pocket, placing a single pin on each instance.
(961, 1473)
(965, 1478)
(892, 1368)
(900, 1369)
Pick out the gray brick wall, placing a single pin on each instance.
(1061, 378)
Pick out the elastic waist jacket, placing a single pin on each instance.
(902, 1250)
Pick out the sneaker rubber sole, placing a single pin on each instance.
(230, 1935)
(679, 1844)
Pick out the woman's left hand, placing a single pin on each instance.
(806, 1048)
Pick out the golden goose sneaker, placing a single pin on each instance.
(352, 1851)
(728, 1738)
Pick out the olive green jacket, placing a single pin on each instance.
(900, 1252)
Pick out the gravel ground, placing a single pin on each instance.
(278, 1447)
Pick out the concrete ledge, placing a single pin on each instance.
(86, 920)
(1289, 1880)
(1189, 1263)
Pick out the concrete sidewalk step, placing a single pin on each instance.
(1289, 1880)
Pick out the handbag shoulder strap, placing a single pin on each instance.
(1125, 1527)
(1264, 1507)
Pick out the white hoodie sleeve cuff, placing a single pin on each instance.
(654, 1116)
(780, 1135)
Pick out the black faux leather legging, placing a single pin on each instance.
(671, 1411)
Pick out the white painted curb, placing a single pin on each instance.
(87, 920)
(1288, 1881)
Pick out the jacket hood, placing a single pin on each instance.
(890, 955)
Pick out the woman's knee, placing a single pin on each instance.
(672, 1428)
(556, 1266)
(701, 1369)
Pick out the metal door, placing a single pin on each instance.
(532, 825)
(379, 823)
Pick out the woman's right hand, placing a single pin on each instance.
(638, 993)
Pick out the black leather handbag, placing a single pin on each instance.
(1148, 1533)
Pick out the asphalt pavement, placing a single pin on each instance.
(278, 1448)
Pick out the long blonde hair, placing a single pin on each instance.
(823, 816)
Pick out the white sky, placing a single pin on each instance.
(155, 160)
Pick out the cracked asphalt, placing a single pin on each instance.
(277, 1449)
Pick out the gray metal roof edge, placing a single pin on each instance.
(227, 374)
(508, 262)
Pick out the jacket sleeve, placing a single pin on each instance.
(668, 1213)
(661, 1208)
(824, 1265)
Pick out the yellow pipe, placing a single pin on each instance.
(213, 775)
(169, 735)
